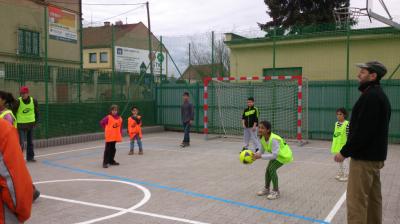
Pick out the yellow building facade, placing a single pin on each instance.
(24, 28)
(97, 58)
(320, 56)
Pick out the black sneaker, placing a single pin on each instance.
(115, 163)
(184, 144)
(31, 160)
(36, 194)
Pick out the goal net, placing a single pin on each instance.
(282, 100)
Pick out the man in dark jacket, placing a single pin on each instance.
(27, 113)
(367, 146)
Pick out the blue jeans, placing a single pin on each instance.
(139, 142)
(186, 130)
(28, 135)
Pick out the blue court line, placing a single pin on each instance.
(179, 190)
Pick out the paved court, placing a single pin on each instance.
(201, 184)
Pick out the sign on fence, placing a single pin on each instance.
(62, 25)
(129, 60)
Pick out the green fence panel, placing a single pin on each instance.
(326, 96)
(169, 101)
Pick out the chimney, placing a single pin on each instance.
(107, 23)
(119, 23)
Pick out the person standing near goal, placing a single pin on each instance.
(187, 114)
(250, 123)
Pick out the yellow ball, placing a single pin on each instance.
(246, 157)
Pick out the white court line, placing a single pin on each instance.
(102, 146)
(146, 198)
(63, 152)
(82, 149)
(121, 210)
(336, 208)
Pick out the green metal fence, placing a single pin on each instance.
(72, 101)
(169, 100)
(324, 97)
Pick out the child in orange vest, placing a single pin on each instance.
(135, 130)
(112, 125)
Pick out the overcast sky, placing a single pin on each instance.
(184, 21)
(182, 17)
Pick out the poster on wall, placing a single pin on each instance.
(63, 25)
(130, 59)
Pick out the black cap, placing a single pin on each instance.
(374, 67)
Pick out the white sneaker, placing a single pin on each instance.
(343, 178)
(338, 175)
(273, 195)
(263, 192)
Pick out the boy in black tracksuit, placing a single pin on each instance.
(250, 123)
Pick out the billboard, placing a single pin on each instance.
(63, 25)
(130, 59)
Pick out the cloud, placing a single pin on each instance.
(175, 17)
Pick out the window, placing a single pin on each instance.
(103, 57)
(92, 57)
(28, 43)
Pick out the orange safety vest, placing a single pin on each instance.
(113, 129)
(134, 128)
(15, 180)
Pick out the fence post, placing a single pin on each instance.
(347, 65)
(46, 73)
(156, 104)
(274, 51)
(161, 61)
(81, 53)
(113, 63)
(212, 55)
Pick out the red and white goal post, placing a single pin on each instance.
(280, 100)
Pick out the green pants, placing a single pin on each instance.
(271, 175)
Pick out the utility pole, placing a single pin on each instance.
(150, 45)
(190, 64)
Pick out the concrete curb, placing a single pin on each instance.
(43, 143)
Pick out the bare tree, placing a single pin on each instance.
(201, 51)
